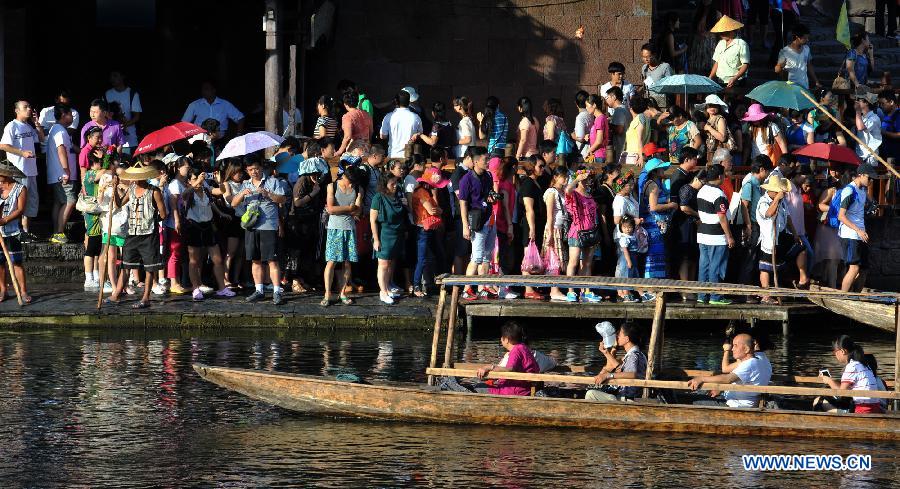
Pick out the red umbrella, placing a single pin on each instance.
(830, 152)
(167, 135)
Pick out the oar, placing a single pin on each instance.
(849, 133)
(12, 272)
(104, 255)
(774, 259)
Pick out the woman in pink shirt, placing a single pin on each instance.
(599, 136)
(528, 130)
(584, 234)
(356, 124)
(519, 359)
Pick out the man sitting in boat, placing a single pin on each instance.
(632, 366)
(750, 371)
(520, 359)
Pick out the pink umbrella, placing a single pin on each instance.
(167, 135)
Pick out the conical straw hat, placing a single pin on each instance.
(139, 171)
(726, 24)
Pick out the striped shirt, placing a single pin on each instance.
(861, 379)
(330, 124)
(711, 203)
(497, 137)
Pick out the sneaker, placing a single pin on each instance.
(158, 290)
(206, 290)
(505, 293)
(487, 295)
(277, 297)
(268, 288)
(395, 291)
(591, 298)
(701, 300)
(164, 282)
(630, 299)
(571, 297)
(226, 292)
(386, 298)
(107, 288)
(91, 285)
(59, 238)
(255, 296)
(648, 297)
(469, 294)
(197, 295)
(722, 301)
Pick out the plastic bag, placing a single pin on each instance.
(532, 263)
(551, 261)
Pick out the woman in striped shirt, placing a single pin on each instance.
(856, 375)
(326, 124)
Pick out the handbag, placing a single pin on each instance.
(478, 217)
(564, 144)
(588, 238)
(87, 204)
(430, 223)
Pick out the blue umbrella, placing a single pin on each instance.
(686, 84)
(782, 94)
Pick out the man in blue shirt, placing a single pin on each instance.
(890, 125)
(261, 239)
(750, 194)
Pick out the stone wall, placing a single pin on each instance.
(506, 48)
(884, 267)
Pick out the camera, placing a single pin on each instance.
(495, 196)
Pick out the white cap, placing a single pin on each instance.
(608, 332)
(413, 94)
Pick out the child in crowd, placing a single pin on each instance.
(13, 196)
(92, 224)
(628, 247)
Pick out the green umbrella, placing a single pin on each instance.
(784, 94)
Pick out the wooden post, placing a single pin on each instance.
(436, 338)
(654, 350)
(12, 270)
(292, 91)
(897, 353)
(273, 68)
(451, 326)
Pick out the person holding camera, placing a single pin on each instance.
(200, 236)
(632, 366)
(261, 238)
(478, 223)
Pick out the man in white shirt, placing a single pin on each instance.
(619, 119)
(130, 103)
(46, 117)
(795, 59)
(210, 106)
(750, 371)
(852, 229)
(617, 79)
(403, 127)
(62, 172)
(20, 136)
(583, 122)
(868, 126)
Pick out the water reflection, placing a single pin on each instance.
(124, 408)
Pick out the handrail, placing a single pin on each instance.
(669, 384)
(656, 285)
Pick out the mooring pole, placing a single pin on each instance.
(436, 338)
(654, 350)
(451, 326)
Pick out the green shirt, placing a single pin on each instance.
(366, 105)
(92, 223)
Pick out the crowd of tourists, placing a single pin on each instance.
(624, 182)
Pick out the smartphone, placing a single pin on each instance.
(825, 372)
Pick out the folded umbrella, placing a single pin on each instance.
(167, 135)
(831, 152)
(687, 84)
(249, 143)
(783, 94)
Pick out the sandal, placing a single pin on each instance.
(110, 302)
(141, 305)
(298, 288)
(768, 300)
(803, 286)
(325, 302)
(417, 291)
(27, 299)
(346, 300)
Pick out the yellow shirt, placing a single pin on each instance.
(730, 58)
(634, 140)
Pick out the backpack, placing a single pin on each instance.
(835, 206)
(251, 215)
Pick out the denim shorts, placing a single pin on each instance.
(483, 244)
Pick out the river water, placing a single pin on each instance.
(89, 408)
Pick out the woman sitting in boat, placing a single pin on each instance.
(632, 366)
(520, 359)
(857, 376)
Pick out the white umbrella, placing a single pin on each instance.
(249, 143)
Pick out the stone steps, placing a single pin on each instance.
(47, 263)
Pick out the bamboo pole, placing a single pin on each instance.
(451, 326)
(897, 354)
(105, 253)
(438, 319)
(669, 384)
(850, 133)
(12, 272)
(655, 347)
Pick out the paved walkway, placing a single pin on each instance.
(74, 307)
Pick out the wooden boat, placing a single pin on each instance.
(425, 403)
(877, 314)
(422, 403)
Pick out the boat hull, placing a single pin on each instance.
(875, 314)
(325, 397)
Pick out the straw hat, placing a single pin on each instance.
(726, 24)
(712, 99)
(139, 171)
(7, 169)
(777, 184)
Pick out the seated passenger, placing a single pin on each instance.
(520, 359)
(856, 376)
(750, 371)
(870, 362)
(632, 366)
(761, 344)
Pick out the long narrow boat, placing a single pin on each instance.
(876, 314)
(421, 403)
